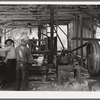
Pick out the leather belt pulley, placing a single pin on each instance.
(93, 58)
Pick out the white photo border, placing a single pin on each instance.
(51, 94)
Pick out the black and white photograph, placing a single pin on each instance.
(49, 47)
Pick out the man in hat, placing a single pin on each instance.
(10, 60)
(24, 56)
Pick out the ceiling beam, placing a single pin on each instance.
(29, 18)
(15, 13)
(94, 12)
(7, 11)
(36, 24)
(93, 23)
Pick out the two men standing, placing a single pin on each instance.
(18, 61)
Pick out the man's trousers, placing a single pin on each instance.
(22, 75)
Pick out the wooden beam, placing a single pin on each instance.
(62, 15)
(86, 13)
(15, 13)
(40, 52)
(84, 24)
(44, 34)
(86, 39)
(52, 32)
(91, 16)
(81, 37)
(4, 23)
(33, 18)
(64, 22)
(77, 32)
(93, 23)
(68, 40)
(37, 39)
(65, 10)
(94, 12)
(39, 34)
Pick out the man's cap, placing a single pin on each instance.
(9, 40)
(25, 38)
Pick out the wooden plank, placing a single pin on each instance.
(86, 39)
(59, 77)
(92, 16)
(65, 10)
(20, 19)
(40, 52)
(44, 34)
(68, 40)
(30, 14)
(39, 35)
(84, 24)
(15, 13)
(62, 16)
(94, 12)
(52, 32)
(77, 34)
(17, 16)
(86, 13)
(46, 43)
(34, 23)
(37, 39)
(93, 23)
(81, 38)
(33, 18)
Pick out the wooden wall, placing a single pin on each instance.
(73, 31)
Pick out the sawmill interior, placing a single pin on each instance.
(63, 41)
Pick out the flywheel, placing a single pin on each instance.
(93, 58)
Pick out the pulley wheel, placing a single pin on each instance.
(93, 58)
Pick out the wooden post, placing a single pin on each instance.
(68, 44)
(59, 77)
(39, 33)
(74, 33)
(81, 36)
(77, 34)
(39, 36)
(0, 36)
(52, 32)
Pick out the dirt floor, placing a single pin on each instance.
(68, 83)
(85, 83)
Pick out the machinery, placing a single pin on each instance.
(93, 58)
(43, 50)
